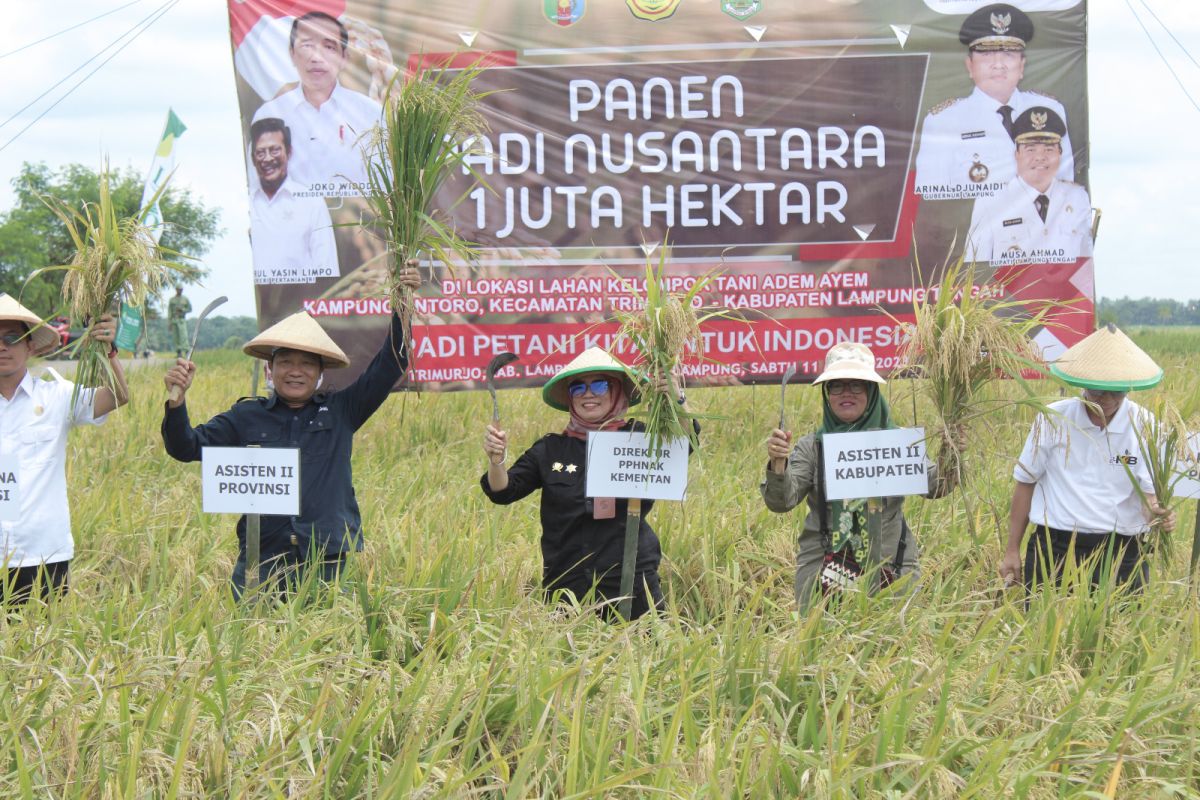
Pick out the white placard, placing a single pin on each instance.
(10, 489)
(1189, 484)
(251, 480)
(620, 465)
(875, 464)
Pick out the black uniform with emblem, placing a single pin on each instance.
(329, 524)
(581, 547)
(577, 549)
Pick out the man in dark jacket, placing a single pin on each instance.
(320, 424)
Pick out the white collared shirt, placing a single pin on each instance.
(291, 238)
(966, 152)
(1079, 469)
(1007, 229)
(327, 141)
(33, 433)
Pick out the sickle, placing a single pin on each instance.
(497, 363)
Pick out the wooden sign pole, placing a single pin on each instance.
(633, 524)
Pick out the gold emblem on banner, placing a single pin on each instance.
(1000, 23)
(1038, 120)
(556, 466)
(652, 10)
(978, 172)
(571, 467)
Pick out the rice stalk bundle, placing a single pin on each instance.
(116, 260)
(431, 124)
(960, 341)
(1162, 438)
(660, 333)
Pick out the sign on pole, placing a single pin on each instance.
(621, 464)
(10, 489)
(251, 480)
(888, 463)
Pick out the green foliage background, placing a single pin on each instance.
(433, 670)
(31, 237)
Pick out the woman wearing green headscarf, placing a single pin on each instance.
(836, 552)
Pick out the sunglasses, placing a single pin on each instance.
(599, 388)
(847, 387)
(11, 339)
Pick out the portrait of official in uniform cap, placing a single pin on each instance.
(966, 142)
(1038, 218)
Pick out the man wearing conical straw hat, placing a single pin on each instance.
(35, 416)
(296, 414)
(1075, 476)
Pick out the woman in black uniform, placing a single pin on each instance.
(582, 537)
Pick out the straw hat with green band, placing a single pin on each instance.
(42, 338)
(1107, 360)
(589, 362)
(297, 332)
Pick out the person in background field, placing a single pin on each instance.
(326, 119)
(835, 552)
(291, 235)
(1075, 476)
(296, 414)
(582, 538)
(1038, 217)
(35, 416)
(966, 143)
(178, 307)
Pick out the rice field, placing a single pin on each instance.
(432, 669)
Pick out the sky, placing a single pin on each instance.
(1144, 160)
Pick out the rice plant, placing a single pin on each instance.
(663, 331)
(116, 260)
(431, 121)
(433, 669)
(961, 340)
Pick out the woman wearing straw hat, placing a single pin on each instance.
(835, 551)
(296, 414)
(582, 538)
(35, 416)
(1075, 476)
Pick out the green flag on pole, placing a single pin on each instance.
(133, 319)
(160, 170)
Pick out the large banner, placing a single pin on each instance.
(822, 157)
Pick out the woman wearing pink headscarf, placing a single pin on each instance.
(582, 537)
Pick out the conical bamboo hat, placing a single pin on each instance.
(297, 332)
(42, 338)
(590, 361)
(1107, 360)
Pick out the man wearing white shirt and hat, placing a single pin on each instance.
(35, 416)
(291, 235)
(320, 424)
(1038, 218)
(966, 143)
(1075, 476)
(326, 119)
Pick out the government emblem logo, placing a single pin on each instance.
(1038, 120)
(652, 10)
(741, 9)
(1001, 23)
(978, 172)
(563, 12)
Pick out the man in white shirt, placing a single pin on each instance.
(35, 416)
(291, 235)
(966, 142)
(1038, 218)
(329, 123)
(1082, 476)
